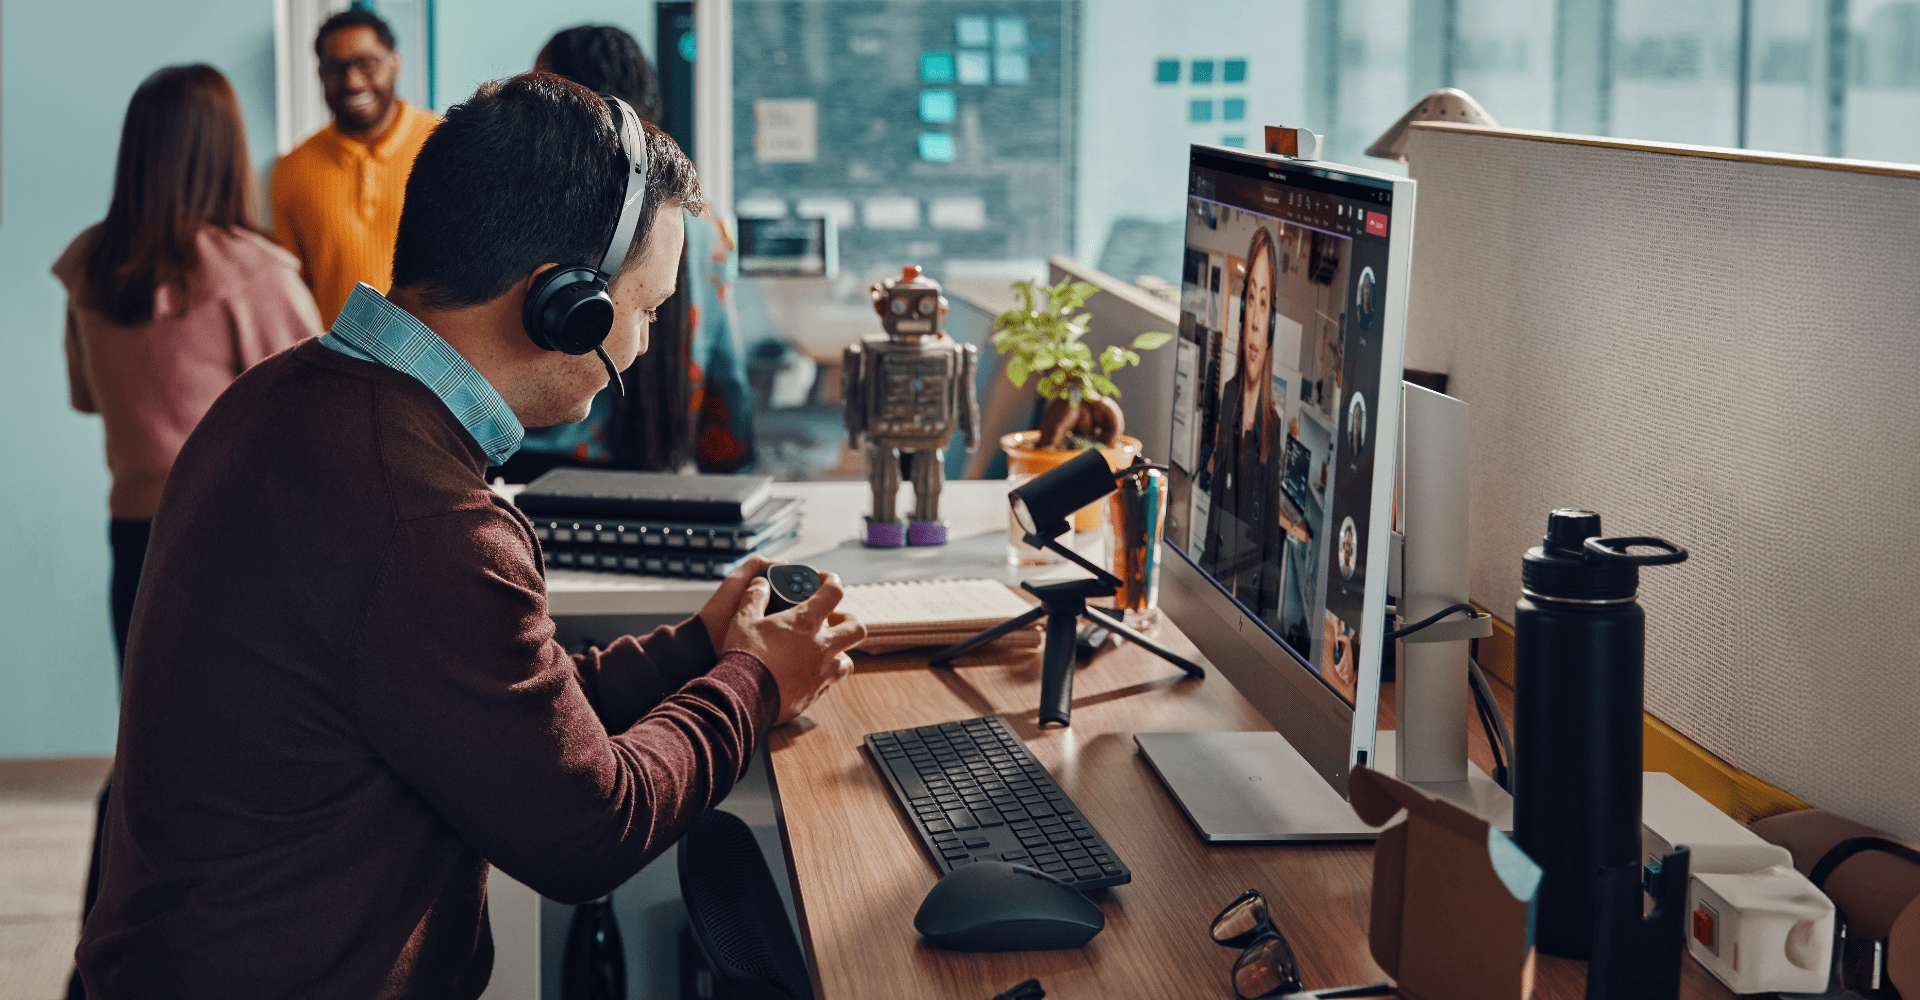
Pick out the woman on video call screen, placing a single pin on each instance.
(1273, 437)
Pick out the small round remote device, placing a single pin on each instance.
(792, 583)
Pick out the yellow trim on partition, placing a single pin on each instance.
(1682, 149)
(1731, 790)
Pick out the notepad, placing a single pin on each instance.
(907, 615)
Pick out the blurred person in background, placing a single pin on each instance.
(169, 299)
(687, 401)
(337, 196)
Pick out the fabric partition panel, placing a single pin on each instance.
(1721, 348)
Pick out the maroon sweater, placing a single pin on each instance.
(343, 700)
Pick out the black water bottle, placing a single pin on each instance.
(1579, 643)
(593, 967)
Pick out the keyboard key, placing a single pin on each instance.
(1038, 809)
(952, 853)
(1109, 869)
(961, 819)
(976, 842)
(939, 826)
(1054, 867)
(910, 784)
(987, 817)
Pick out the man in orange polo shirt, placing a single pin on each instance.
(337, 196)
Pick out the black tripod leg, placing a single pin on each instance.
(1114, 623)
(949, 654)
(1056, 670)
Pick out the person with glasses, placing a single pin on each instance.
(337, 196)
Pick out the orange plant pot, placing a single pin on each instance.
(1025, 459)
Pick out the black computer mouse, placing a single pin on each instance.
(792, 584)
(996, 906)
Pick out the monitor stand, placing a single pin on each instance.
(1255, 788)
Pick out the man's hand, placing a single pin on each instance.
(804, 647)
(717, 614)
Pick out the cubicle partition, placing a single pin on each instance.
(1721, 348)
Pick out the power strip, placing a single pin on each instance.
(1754, 921)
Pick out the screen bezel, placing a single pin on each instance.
(1364, 712)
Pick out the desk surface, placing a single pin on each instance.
(975, 509)
(859, 873)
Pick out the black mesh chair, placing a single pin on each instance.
(735, 915)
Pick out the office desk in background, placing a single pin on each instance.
(975, 510)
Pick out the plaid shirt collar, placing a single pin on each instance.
(373, 329)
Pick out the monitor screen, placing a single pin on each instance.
(1276, 401)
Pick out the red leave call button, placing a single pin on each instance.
(1376, 224)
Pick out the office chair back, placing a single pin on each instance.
(735, 914)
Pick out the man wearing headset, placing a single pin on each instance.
(343, 699)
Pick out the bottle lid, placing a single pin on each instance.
(1562, 568)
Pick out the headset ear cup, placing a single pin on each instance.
(587, 320)
(558, 314)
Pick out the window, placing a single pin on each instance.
(976, 137)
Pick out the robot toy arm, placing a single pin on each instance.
(969, 397)
(851, 384)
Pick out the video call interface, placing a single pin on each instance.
(1273, 427)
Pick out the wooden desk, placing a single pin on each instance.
(859, 873)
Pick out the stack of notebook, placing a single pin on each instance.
(657, 524)
(909, 615)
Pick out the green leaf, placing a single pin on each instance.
(1017, 372)
(1151, 341)
(1106, 386)
(1110, 359)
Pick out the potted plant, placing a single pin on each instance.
(1043, 334)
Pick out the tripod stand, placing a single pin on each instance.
(1064, 604)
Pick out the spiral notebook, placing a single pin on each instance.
(909, 615)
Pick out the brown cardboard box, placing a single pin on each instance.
(1452, 896)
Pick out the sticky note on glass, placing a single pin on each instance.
(786, 131)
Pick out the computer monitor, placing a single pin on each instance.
(1286, 400)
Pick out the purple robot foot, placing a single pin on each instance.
(927, 533)
(886, 534)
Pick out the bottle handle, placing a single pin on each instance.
(1615, 550)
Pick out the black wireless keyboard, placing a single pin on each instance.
(975, 793)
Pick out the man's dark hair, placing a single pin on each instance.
(525, 172)
(353, 17)
(606, 60)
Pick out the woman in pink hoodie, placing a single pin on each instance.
(169, 299)
(172, 296)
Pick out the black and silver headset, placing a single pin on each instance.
(568, 308)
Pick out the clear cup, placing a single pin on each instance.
(1137, 514)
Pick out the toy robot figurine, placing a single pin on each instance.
(907, 393)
